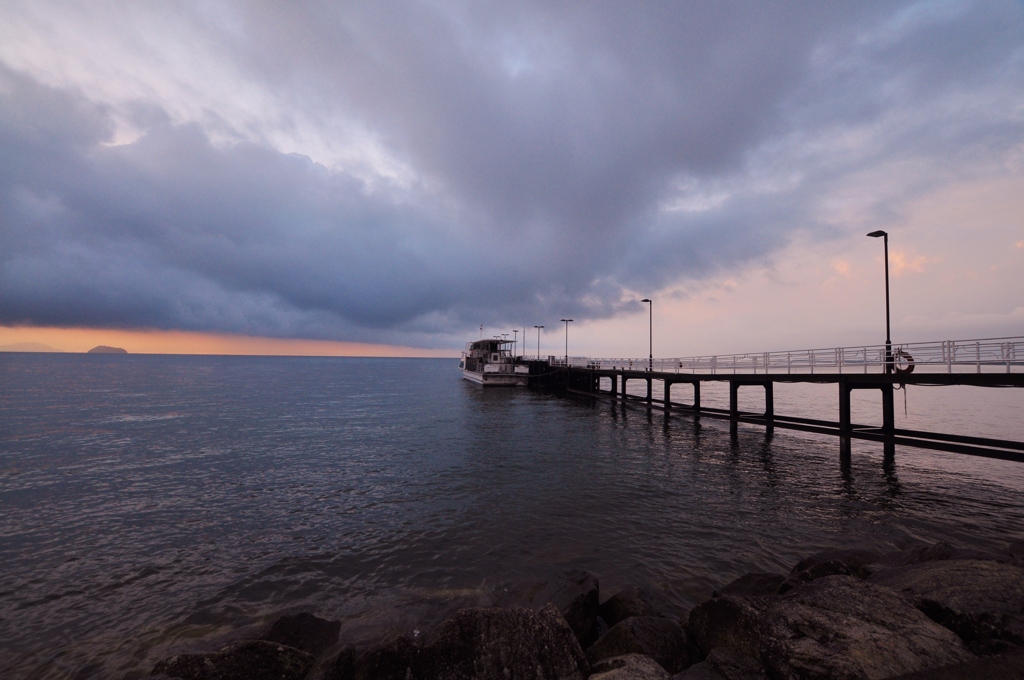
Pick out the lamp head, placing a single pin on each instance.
(876, 234)
(645, 300)
(567, 320)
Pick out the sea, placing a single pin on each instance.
(151, 505)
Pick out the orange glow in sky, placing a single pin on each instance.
(182, 342)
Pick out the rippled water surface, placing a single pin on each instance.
(151, 504)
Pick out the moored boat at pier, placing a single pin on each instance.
(490, 362)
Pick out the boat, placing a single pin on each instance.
(490, 362)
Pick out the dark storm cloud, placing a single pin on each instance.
(545, 141)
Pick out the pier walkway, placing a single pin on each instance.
(992, 362)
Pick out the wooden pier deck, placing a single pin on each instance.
(982, 363)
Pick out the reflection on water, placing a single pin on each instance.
(149, 501)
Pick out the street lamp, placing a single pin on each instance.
(538, 341)
(566, 341)
(888, 336)
(650, 335)
(515, 336)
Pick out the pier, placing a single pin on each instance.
(992, 362)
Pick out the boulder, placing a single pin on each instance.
(1009, 667)
(304, 631)
(581, 611)
(628, 667)
(976, 599)
(757, 584)
(815, 571)
(856, 560)
(575, 593)
(728, 621)
(732, 664)
(699, 671)
(254, 660)
(482, 643)
(843, 627)
(937, 552)
(660, 638)
(632, 601)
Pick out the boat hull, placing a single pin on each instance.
(496, 379)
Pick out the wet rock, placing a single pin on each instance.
(756, 584)
(660, 638)
(975, 599)
(733, 664)
(842, 627)
(482, 643)
(728, 621)
(633, 601)
(816, 571)
(992, 647)
(1010, 667)
(581, 612)
(628, 667)
(856, 560)
(255, 660)
(575, 593)
(699, 671)
(304, 631)
(938, 552)
(341, 667)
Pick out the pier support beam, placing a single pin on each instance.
(668, 395)
(696, 396)
(650, 388)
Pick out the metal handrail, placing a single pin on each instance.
(977, 355)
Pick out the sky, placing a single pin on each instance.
(388, 177)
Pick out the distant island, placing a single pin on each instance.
(28, 347)
(103, 349)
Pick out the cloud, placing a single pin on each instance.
(402, 172)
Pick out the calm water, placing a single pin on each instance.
(150, 504)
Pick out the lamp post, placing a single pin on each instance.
(515, 336)
(888, 336)
(567, 341)
(650, 335)
(538, 341)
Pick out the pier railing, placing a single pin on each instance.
(949, 356)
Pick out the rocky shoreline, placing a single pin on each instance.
(929, 612)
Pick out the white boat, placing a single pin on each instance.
(490, 362)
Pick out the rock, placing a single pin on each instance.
(482, 643)
(842, 627)
(304, 631)
(728, 621)
(1010, 667)
(699, 671)
(103, 349)
(575, 593)
(660, 638)
(732, 664)
(856, 560)
(254, 660)
(752, 585)
(992, 647)
(939, 552)
(816, 571)
(633, 601)
(628, 667)
(976, 599)
(581, 612)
